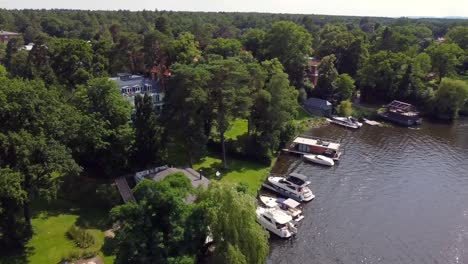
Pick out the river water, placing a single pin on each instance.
(398, 195)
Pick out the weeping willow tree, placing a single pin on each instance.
(237, 237)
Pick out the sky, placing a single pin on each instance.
(388, 8)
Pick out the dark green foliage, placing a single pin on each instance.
(450, 98)
(71, 60)
(147, 133)
(327, 81)
(229, 94)
(76, 255)
(34, 136)
(224, 47)
(459, 35)
(345, 87)
(186, 105)
(237, 237)
(157, 228)
(445, 57)
(106, 136)
(347, 46)
(291, 44)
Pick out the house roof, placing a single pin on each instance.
(192, 175)
(7, 33)
(128, 80)
(318, 103)
(316, 142)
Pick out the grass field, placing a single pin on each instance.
(51, 221)
(50, 224)
(253, 174)
(238, 128)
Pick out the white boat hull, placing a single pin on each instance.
(320, 160)
(286, 232)
(272, 184)
(271, 202)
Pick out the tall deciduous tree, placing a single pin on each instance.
(347, 46)
(381, 75)
(228, 95)
(445, 58)
(254, 41)
(345, 87)
(328, 75)
(224, 47)
(450, 98)
(147, 133)
(34, 136)
(274, 106)
(107, 134)
(459, 35)
(157, 47)
(72, 61)
(186, 49)
(292, 45)
(159, 228)
(40, 61)
(237, 237)
(13, 230)
(186, 102)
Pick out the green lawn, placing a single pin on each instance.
(239, 171)
(50, 224)
(238, 128)
(365, 111)
(51, 221)
(304, 121)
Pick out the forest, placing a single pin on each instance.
(62, 118)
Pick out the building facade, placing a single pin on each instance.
(6, 36)
(132, 85)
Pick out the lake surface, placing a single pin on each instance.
(398, 195)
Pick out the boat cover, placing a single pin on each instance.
(289, 202)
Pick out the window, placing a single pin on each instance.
(280, 226)
(267, 218)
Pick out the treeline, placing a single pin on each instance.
(386, 58)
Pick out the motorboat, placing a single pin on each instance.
(319, 159)
(312, 145)
(276, 221)
(294, 186)
(288, 206)
(349, 122)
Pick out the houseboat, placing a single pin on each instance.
(310, 145)
(401, 113)
(295, 186)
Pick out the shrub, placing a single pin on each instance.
(81, 237)
(107, 195)
(345, 108)
(78, 254)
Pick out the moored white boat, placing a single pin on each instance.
(276, 221)
(349, 122)
(319, 159)
(289, 206)
(294, 186)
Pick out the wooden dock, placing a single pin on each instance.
(124, 190)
